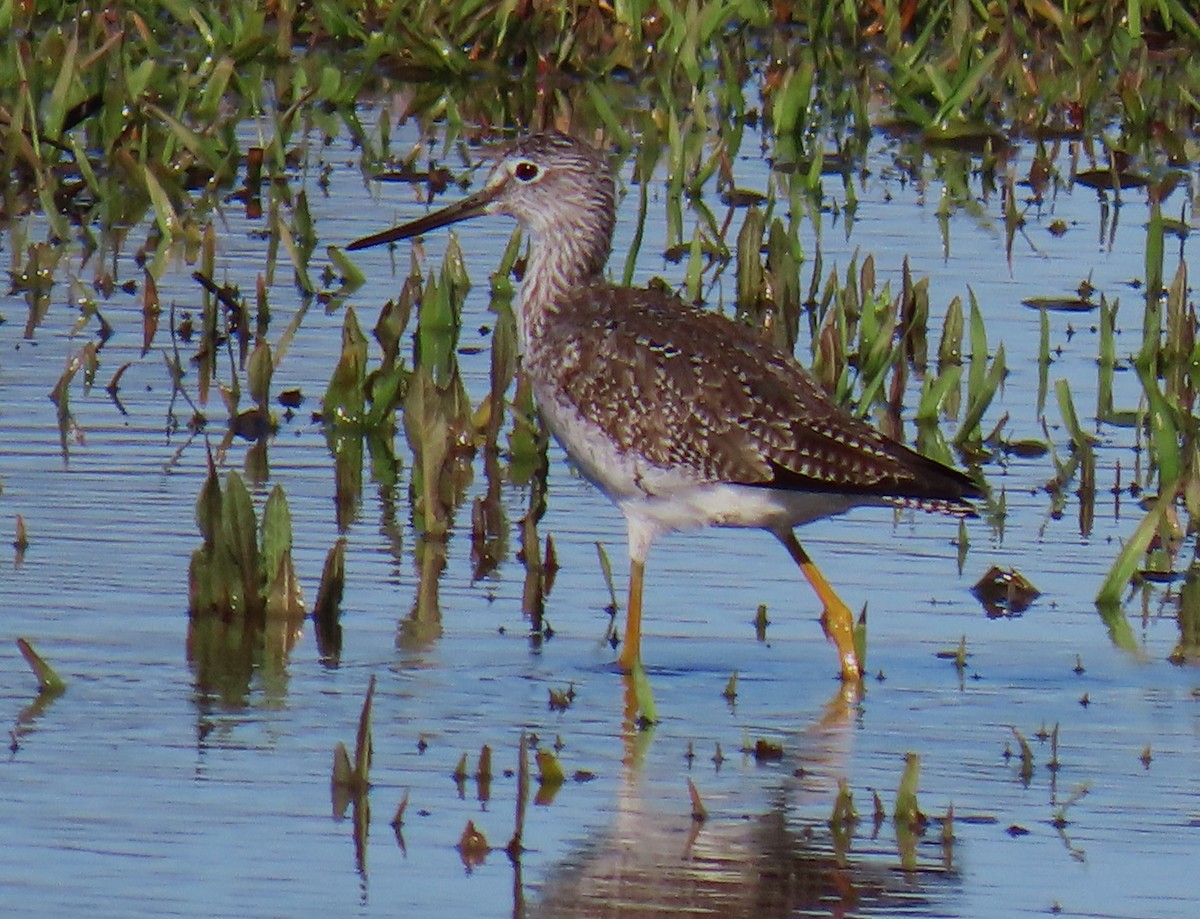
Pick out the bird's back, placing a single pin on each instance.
(692, 391)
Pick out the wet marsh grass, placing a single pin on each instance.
(861, 313)
(864, 341)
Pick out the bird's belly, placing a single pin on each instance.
(679, 498)
(729, 505)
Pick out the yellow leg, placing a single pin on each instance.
(631, 647)
(837, 620)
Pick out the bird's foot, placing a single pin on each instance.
(852, 671)
(838, 623)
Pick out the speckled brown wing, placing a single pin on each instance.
(689, 388)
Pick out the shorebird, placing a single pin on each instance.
(683, 417)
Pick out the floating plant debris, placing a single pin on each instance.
(1060, 304)
(1016, 830)
(561, 699)
(473, 846)
(1111, 179)
(957, 654)
(730, 690)
(767, 751)
(1004, 592)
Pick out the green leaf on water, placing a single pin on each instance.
(643, 696)
(980, 397)
(214, 87)
(387, 390)
(164, 211)
(328, 605)
(200, 147)
(968, 80)
(460, 770)
(1066, 407)
(362, 741)
(860, 639)
(504, 349)
(240, 530)
(843, 806)
(749, 260)
(550, 771)
(428, 432)
(352, 276)
(437, 329)
(49, 682)
(1026, 755)
(343, 772)
(791, 101)
(1129, 560)
(907, 813)
(699, 811)
(979, 348)
(208, 505)
(299, 257)
(344, 399)
(1164, 430)
(302, 222)
(935, 391)
(259, 374)
(606, 572)
(276, 527)
(56, 109)
(1154, 254)
(694, 278)
(950, 344)
(730, 691)
(284, 595)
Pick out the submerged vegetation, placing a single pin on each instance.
(130, 132)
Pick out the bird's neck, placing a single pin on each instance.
(559, 263)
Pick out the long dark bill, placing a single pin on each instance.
(471, 206)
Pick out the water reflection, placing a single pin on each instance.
(227, 655)
(1187, 649)
(31, 714)
(327, 611)
(423, 625)
(770, 868)
(778, 863)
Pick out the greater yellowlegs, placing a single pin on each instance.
(683, 417)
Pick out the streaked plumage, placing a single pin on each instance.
(683, 417)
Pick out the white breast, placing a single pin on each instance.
(670, 499)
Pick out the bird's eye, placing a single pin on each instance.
(526, 171)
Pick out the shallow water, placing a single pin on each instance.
(139, 793)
